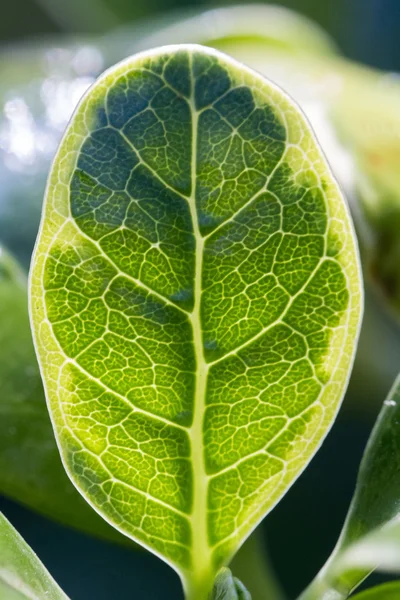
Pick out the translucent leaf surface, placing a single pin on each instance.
(30, 466)
(352, 108)
(22, 575)
(41, 84)
(371, 534)
(195, 299)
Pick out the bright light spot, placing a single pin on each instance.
(60, 97)
(17, 135)
(88, 60)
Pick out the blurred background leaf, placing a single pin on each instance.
(22, 575)
(30, 465)
(370, 538)
(388, 591)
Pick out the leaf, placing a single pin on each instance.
(22, 575)
(30, 467)
(371, 534)
(195, 301)
(227, 587)
(352, 108)
(41, 85)
(387, 591)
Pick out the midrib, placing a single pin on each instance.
(201, 574)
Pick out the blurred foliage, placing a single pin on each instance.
(30, 464)
(370, 537)
(389, 591)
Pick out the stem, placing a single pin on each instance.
(251, 565)
(319, 589)
(335, 581)
(198, 588)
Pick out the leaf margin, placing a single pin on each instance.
(357, 309)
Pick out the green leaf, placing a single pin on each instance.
(30, 467)
(353, 109)
(195, 301)
(22, 575)
(371, 534)
(227, 587)
(387, 591)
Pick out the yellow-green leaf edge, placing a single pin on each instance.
(51, 358)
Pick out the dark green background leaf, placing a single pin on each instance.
(30, 466)
(388, 591)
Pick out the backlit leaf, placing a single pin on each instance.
(195, 300)
(352, 108)
(22, 575)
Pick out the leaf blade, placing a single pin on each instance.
(240, 129)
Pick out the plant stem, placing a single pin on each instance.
(196, 589)
(320, 590)
(251, 565)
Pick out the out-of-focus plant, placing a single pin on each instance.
(30, 464)
(40, 88)
(22, 575)
(371, 534)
